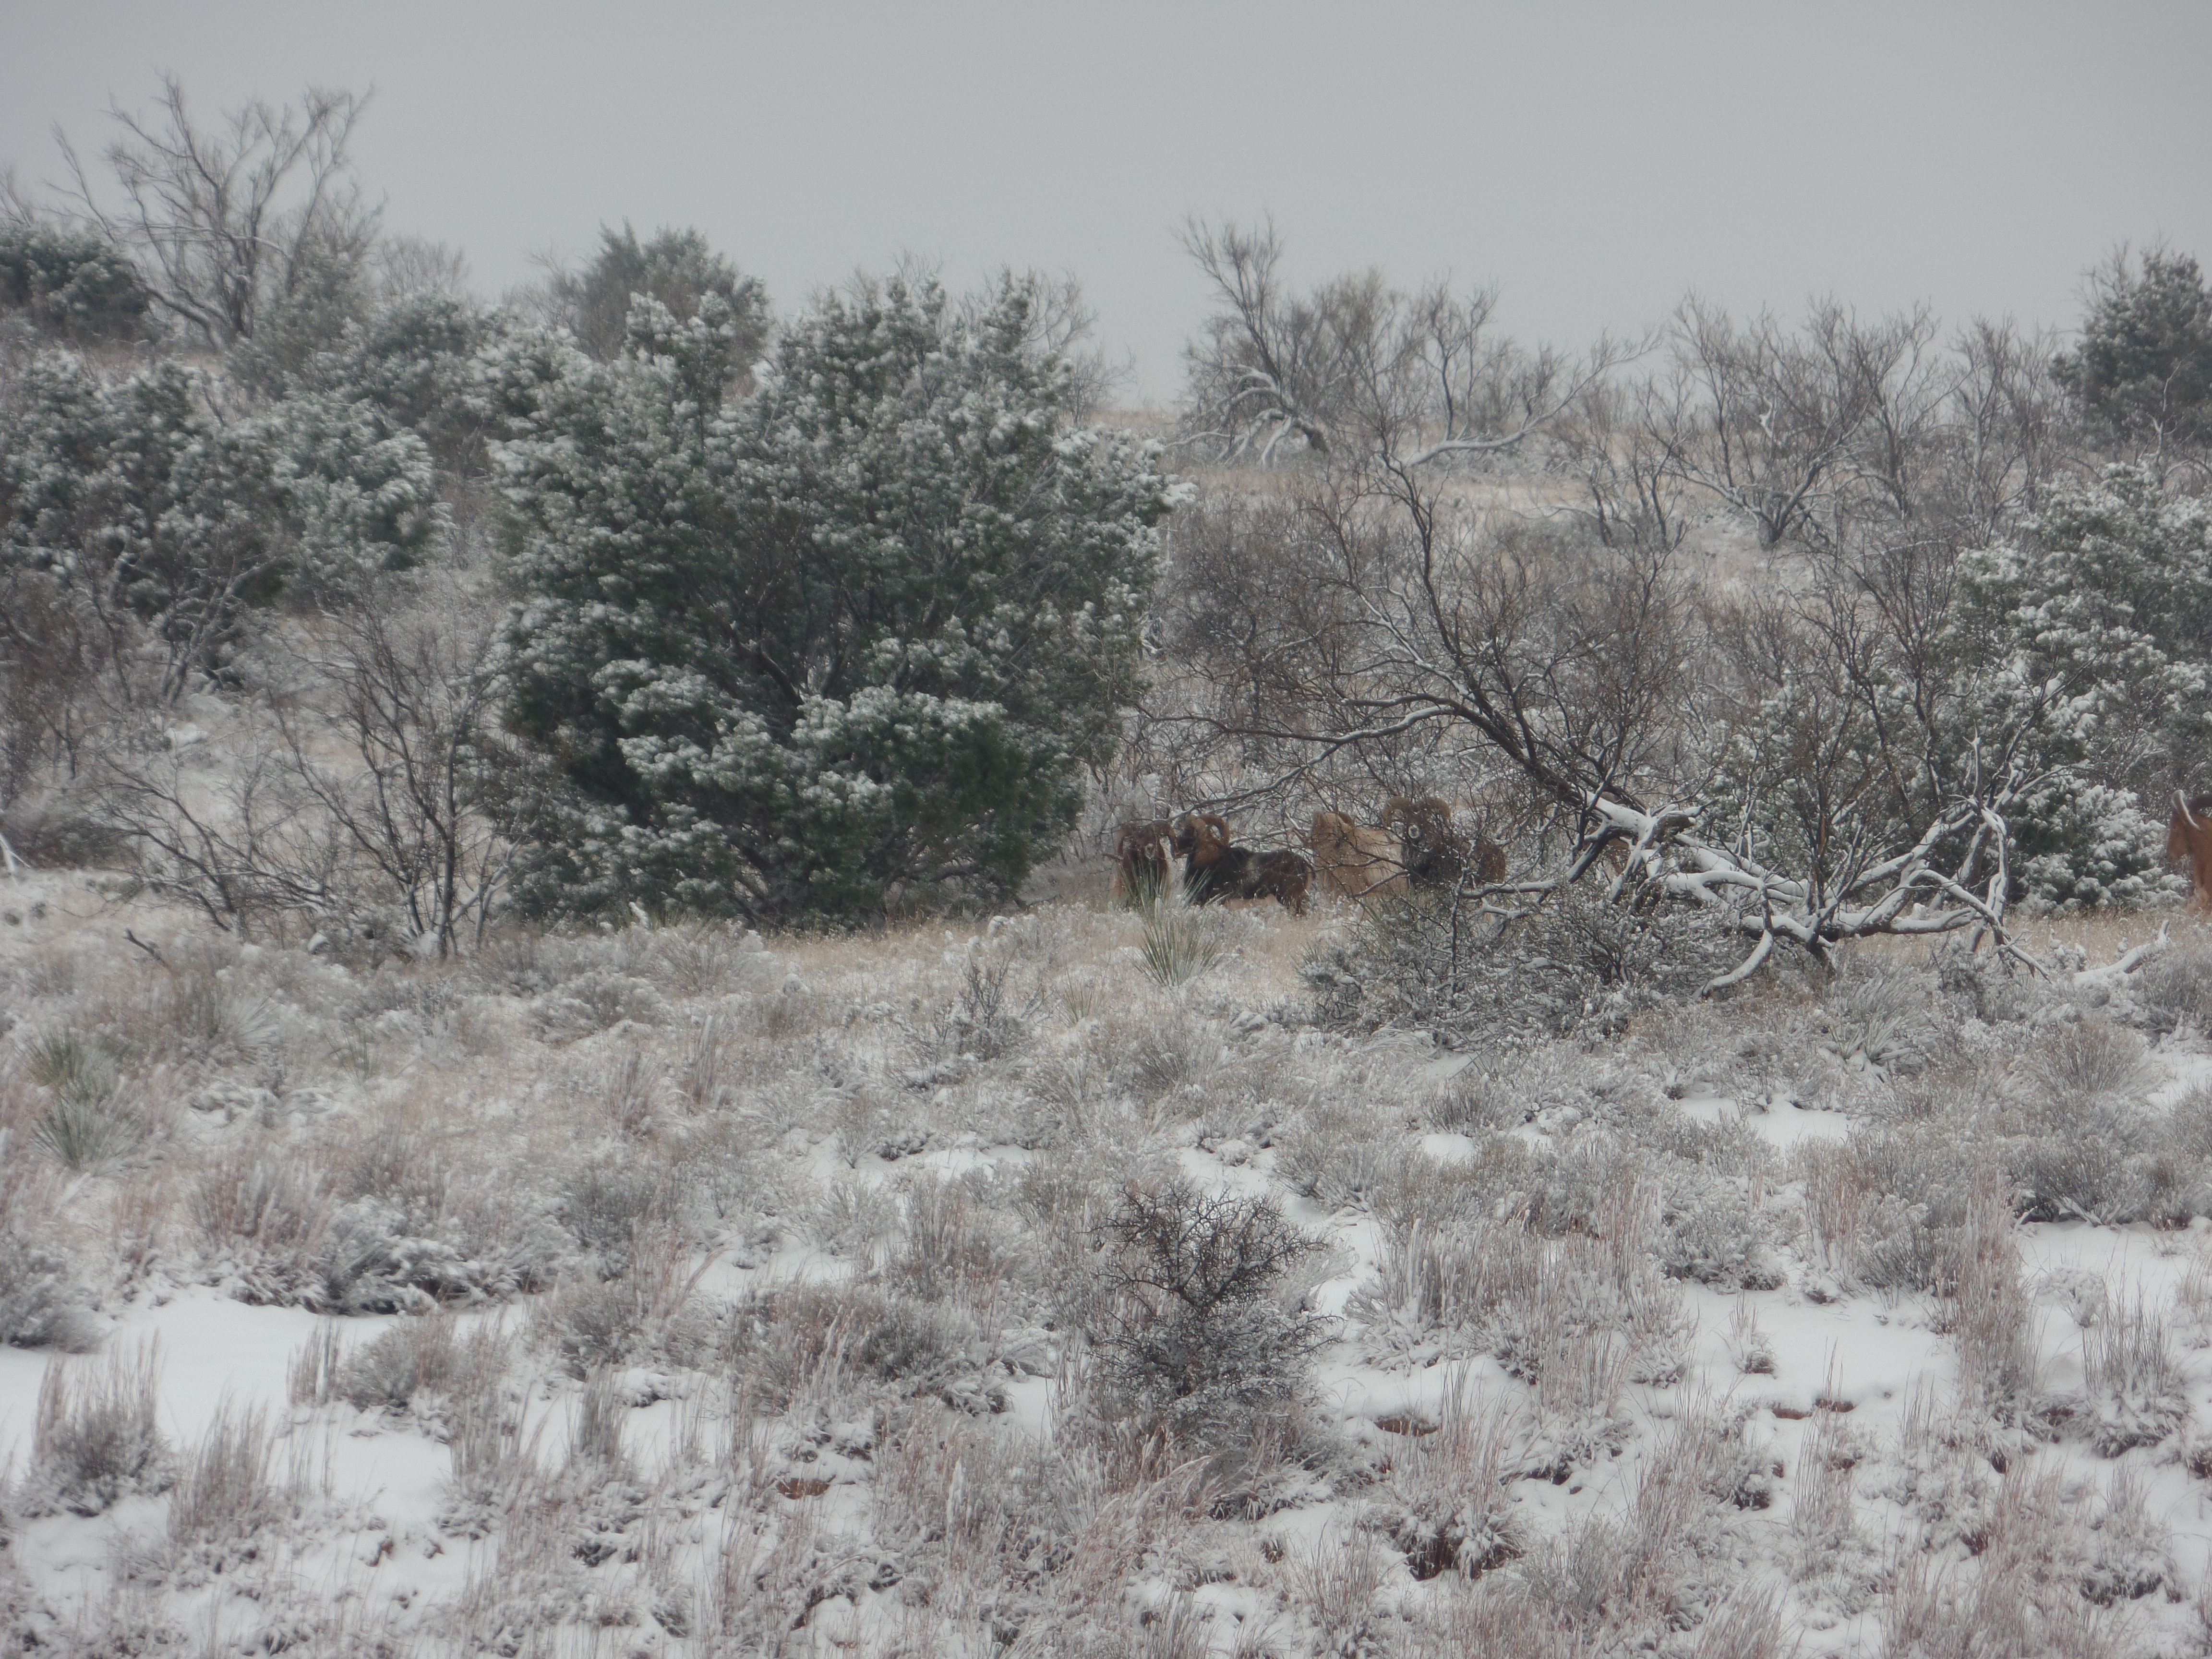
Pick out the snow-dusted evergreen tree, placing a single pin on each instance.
(72, 284)
(852, 637)
(2093, 629)
(148, 501)
(2144, 367)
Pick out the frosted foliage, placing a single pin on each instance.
(2091, 630)
(851, 636)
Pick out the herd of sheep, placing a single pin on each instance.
(1415, 845)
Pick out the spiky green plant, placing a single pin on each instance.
(1180, 943)
(88, 1128)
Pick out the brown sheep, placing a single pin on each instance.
(1215, 870)
(1357, 859)
(2189, 835)
(1283, 876)
(1437, 854)
(1141, 859)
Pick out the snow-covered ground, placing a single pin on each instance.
(685, 1292)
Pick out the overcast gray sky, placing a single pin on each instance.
(1594, 159)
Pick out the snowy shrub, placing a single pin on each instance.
(1153, 1055)
(97, 1440)
(647, 1313)
(1883, 1208)
(2084, 1144)
(228, 1488)
(1987, 1310)
(814, 1342)
(952, 1243)
(1422, 1192)
(90, 1134)
(1882, 1016)
(1189, 1335)
(704, 959)
(970, 655)
(90, 1124)
(1675, 1560)
(1580, 962)
(1711, 1233)
(375, 1261)
(1336, 1158)
(2175, 986)
(2130, 1554)
(263, 1220)
(2073, 1064)
(1180, 943)
(417, 1358)
(603, 1204)
(593, 1001)
(42, 1304)
(1448, 1510)
(1478, 1096)
(74, 283)
(2133, 1384)
(198, 1009)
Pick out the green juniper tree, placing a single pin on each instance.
(2143, 367)
(847, 640)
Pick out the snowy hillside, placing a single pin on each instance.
(683, 1292)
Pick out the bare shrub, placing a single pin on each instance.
(418, 1359)
(1190, 1335)
(97, 1440)
(1989, 1315)
(265, 1218)
(2133, 1382)
(815, 1342)
(2175, 986)
(2072, 1065)
(1450, 1511)
(228, 1487)
(646, 1312)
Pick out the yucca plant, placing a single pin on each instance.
(87, 1134)
(88, 1128)
(1180, 943)
(70, 1063)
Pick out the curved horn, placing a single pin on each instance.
(2181, 801)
